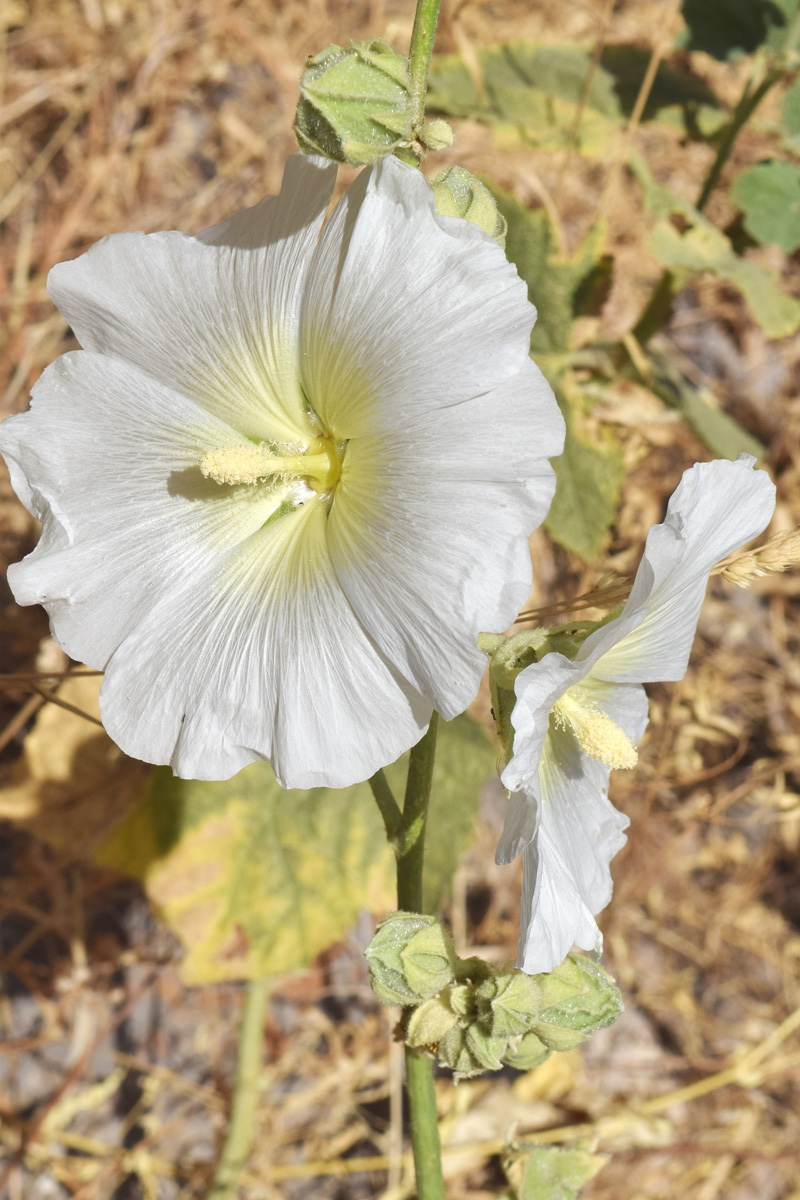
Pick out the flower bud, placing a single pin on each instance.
(470, 1051)
(514, 1004)
(436, 135)
(431, 1021)
(459, 194)
(525, 1052)
(577, 998)
(411, 958)
(355, 104)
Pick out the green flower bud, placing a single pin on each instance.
(411, 958)
(355, 104)
(525, 1052)
(577, 998)
(459, 194)
(436, 135)
(515, 1004)
(470, 1051)
(431, 1021)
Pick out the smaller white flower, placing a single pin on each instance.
(576, 720)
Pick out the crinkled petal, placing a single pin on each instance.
(214, 317)
(261, 658)
(406, 312)
(107, 458)
(566, 876)
(438, 551)
(716, 508)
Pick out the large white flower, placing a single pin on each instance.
(289, 478)
(575, 720)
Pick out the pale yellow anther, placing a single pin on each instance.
(319, 466)
(596, 733)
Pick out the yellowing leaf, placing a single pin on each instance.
(72, 783)
(256, 881)
(704, 248)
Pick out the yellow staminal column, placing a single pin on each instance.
(597, 734)
(318, 465)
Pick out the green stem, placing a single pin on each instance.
(419, 56)
(389, 808)
(410, 844)
(241, 1127)
(410, 852)
(749, 101)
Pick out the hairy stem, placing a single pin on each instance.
(419, 56)
(241, 1128)
(410, 851)
(389, 808)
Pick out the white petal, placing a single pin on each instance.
(214, 317)
(263, 659)
(406, 312)
(566, 876)
(108, 459)
(716, 508)
(429, 531)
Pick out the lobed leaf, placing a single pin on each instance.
(727, 29)
(769, 197)
(256, 881)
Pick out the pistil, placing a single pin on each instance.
(319, 464)
(596, 733)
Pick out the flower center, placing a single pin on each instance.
(596, 733)
(318, 464)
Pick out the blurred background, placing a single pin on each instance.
(123, 941)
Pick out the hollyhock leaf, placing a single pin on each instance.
(769, 196)
(704, 248)
(551, 1173)
(727, 29)
(540, 88)
(554, 282)
(589, 476)
(257, 880)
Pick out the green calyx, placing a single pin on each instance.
(459, 194)
(411, 958)
(475, 1018)
(355, 103)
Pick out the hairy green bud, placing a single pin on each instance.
(459, 194)
(436, 135)
(355, 103)
(514, 1004)
(470, 1051)
(411, 958)
(431, 1021)
(577, 998)
(525, 1052)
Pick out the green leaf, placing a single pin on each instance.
(556, 285)
(790, 118)
(704, 248)
(729, 28)
(542, 90)
(256, 881)
(769, 197)
(699, 409)
(551, 1173)
(589, 477)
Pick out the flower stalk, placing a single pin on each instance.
(419, 57)
(406, 833)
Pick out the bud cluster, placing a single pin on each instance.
(475, 1018)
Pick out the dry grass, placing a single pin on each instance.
(149, 114)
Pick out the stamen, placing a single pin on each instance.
(319, 464)
(597, 734)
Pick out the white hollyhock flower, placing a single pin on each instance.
(575, 720)
(289, 478)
